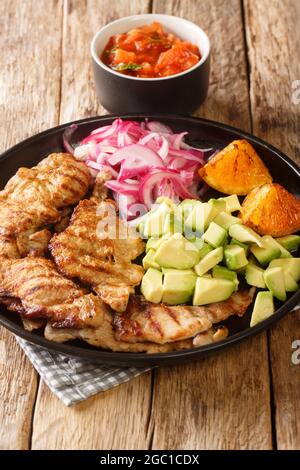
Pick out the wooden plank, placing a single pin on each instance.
(273, 37)
(81, 21)
(117, 418)
(29, 99)
(221, 402)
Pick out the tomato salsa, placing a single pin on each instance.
(149, 52)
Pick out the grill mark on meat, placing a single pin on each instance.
(47, 286)
(187, 321)
(172, 314)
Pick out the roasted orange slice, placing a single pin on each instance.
(271, 210)
(237, 169)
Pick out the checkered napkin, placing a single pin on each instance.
(73, 380)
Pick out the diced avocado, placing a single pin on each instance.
(155, 242)
(148, 260)
(215, 235)
(219, 205)
(207, 275)
(141, 224)
(235, 257)
(232, 203)
(197, 242)
(178, 286)
(209, 261)
(244, 234)
(274, 280)
(187, 206)
(178, 271)
(220, 272)
(177, 252)
(201, 246)
(166, 200)
(172, 224)
(254, 276)
(290, 265)
(243, 245)
(208, 291)
(266, 252)
(225, 220)
(150, 244)
(152, 286)
(284, 253)
(154, 224)
(289, 242)
(200, 217)
(263, 307)
(289, 282)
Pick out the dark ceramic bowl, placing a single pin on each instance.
(202, 133)
(181, 93)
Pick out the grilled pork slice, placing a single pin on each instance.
(33, 288)
(104, 337)
(162, 324)
(33, 199)
(98, 249)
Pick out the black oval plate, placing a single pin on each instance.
(203, 133)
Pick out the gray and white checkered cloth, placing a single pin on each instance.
(73, 380)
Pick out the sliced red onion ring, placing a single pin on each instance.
(136, 152)
(164, 149)
(123, 188)
(149, 181)
(156, 126)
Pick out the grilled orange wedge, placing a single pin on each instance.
(237, 169)
(271, 210)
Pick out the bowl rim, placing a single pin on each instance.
(184, 21)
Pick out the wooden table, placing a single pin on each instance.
(245, 398)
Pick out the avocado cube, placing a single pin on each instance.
(220, 272)
(148, 261)
(200, 218)
(290, 265)
(172, 224)
(267, 252)
(206, 248)
(243, 245)
(274, 280)
(254, 276)
(272, 242)
(232, 203)
(235, 257)
(178, 286)
(155, 220)
(150, 244)
(208, 291)
(177, 252)
(289, 282)
(165, 200)
(225, 220)
(186, 207)
(209, 261)
(263, 307)
(289, 242)
(219, 205)
(244, 234)
(215, 235)
(152, 286)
